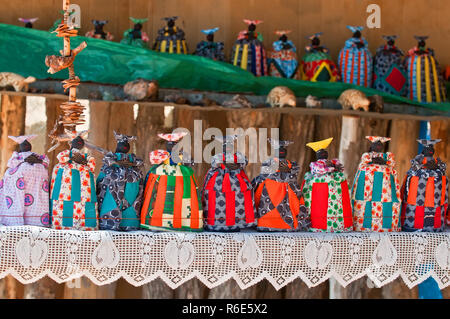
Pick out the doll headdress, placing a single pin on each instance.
(173, 18)
(23, 138)
(425, 142)
(320, 145)
(421, 37)
(120, 138)
(282, 32)
(255, 22)
(277, 144)
(375, 139)
(355, 28)
(390, 37)
(210, 31)
(74, 135)
(172, 137)
(140, 21)
(99, 22)
(315, 35)
(31, 20)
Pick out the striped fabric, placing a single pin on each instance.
(250, 56)
(356, 66)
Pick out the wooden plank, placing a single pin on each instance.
(231, 290)
(45, 288)
(299, 290)
(193, 289)
(157, 289)
(83, 288)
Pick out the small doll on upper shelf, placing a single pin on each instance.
(28, 22)
(98, 32)
(326, 192)
(279, 201)
(248, 51)
(389, 72)
(171, 39)
(135, 36)
(24, 189)
(425, 82)
(317, 64)
(355, 60)
(283, 61)
(425, 192)
(120, 187)
(73, 197)
(171, 199)
(228, 200)
(376, 190)
(210, 49)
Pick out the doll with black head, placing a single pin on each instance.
(376, 190)
(317, 64)
(425, 192)
(28, 22)
(171, 38)
(279, 201)
(120, 187)
(355, 60)
(209, 48)
(135, 36)
(389, 71)
(424, 77)
(99, 32)
(172, 199)
(248, 51)
(326, 192)
(228, 201)
(282, 60)
(24, 189)
(72, 193)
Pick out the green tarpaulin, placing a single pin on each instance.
(24, 50)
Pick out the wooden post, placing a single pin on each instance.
(299, 290)
(83, 288)
(45, 288)
(231, 290)
(157, 289)
(53, 111)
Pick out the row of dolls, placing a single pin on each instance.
(169, 198)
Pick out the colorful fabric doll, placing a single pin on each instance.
(120, 188)
(425, 83)
(171, 197)
(171, 38)
(28, 22)
(209, 48)
(355, 60)
(282, 61)
(24, 189)
(425, 192)
(278, 199)
(376, 190)
(389, 73)
(248, 51)
(98, 32)
(326, 192)
(317, 64)
(135, 36)
(73, 197)
(228, 200)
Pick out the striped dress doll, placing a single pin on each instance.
(120, 188)
(317, 64)
(326, 192)
(24, 189)
(171, 197)
(355, 60)
(389, 72)
(376, 190)
(135, 36)
(425, 192)
(425, 83)
(279, 201)
(171, 38)
(248, 52)
(283, 61)
(210, 49)
(73, 197)
(228, 200)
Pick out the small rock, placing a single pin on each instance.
(354, 99)
(142, 89)
(313, 102)
(238, 101)
(281, 96)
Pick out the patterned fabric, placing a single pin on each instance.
(249, 54)
(327, 197)
(355, 64)
(171, 199)
(227, 195)
(317, 65)
(376, 195)
(24, 192)
(171, 43)
(278, 199)
(119, 193)
(425, 83)
(172, 137)
(283, 62)
(389, 72)
(141, 42)
(381, 139)
(158, 157)
(425, 196)
(73, 196)
(92, 34)
(211, 50)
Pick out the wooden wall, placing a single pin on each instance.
(304, 17)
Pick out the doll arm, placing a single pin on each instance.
(63, 157)
(390, 161)
(15, 160)
(91, 163)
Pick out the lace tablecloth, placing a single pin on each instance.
(30, 253)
